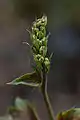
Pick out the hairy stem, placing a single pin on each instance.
(45, 96)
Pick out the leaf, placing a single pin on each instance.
(77, 110)
(76, 114)
(20, 104)
(6, 117)
(13, 111)
(59, 116)
(66, 115)
(26, 106)
(30, 79)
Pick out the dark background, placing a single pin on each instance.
(64, 77)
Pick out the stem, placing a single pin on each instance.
(45, 96)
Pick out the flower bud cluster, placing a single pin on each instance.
(39, 43)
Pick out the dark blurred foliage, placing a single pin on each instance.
(66, 46)
(31, 9)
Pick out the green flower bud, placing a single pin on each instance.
(37, 44)
(40, 22)
(35, 30)
(44, 20)
(34, 24)
(47, 64)
(40, 43)
(40, 35)
(39, 60)
(43, 50)
(43, 30)
(38, 57)
(37, 23)
(33, 37)
(44, 41)
(34, 49)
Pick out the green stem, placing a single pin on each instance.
(45, 96)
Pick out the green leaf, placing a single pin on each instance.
(6, 117)
(66, 115)
(13, 111)
(20, 104)
(76, 112)
(30, 79)
(59, 116)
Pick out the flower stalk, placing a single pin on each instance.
(46, 97)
